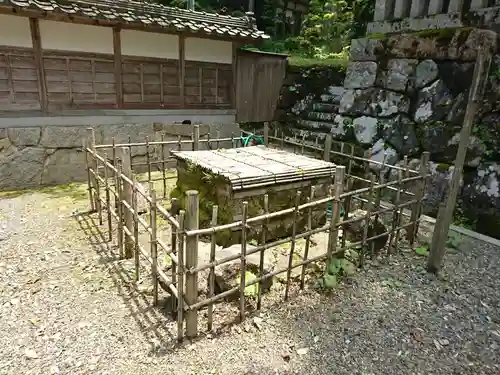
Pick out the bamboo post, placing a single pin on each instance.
(292, 244)
(266, 134)
(438, 250)
(163, 166)
(154, 244)
(196, 137)
(127, 197)
(233, 141)
(136, 230)
(395, 216)
(308, 238)
(411, 232)
(119, 208)
(211, 277)
(337, 191)
(328, 147)
(98, 189)
(108, 198)
(89, 175)
(369, 207)
(179, 143)
(174, 210)
(282, 140)
(93, 165)
(148, 159)
(347, 209)
(217, 135)
(180, 277)
(262, 253)
(243, 260)
(303, 143)
(192, 221)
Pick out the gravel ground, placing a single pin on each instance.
(67, 306)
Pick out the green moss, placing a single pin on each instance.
(377, 36)
(445, 35)
(76, 191)
(443, 167)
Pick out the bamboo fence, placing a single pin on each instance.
(114, 193)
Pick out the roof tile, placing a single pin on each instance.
(141, 12)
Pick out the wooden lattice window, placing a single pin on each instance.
(81, 80)
(19, 84)
(208, 84)
(150, 82)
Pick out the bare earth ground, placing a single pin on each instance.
(67, 306)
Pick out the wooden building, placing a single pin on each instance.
(60, 55)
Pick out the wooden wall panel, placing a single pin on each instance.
(75, 81)
(208, 84)
(19, 87)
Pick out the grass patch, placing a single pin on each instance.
(301, 61)
(76, 191)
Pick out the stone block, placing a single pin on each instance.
(433, 103)
(22, 169)
(360, 75)
(25, 137)
(373, 102)
(66, 136)
(63, 166)
(397, 75)
(365, 49)
(426, 72)
(365, 129)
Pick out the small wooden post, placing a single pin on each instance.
(148, 159)
(127, 197)
(98, 189)
(293, 243)
(263, 242)
(243, 260)
(308, 238)
(438, 250)
(369, 207)
(179, 143)
(174, 210)
(411, 232)
(119, 207)
(163, 166)
(89, 175)
(217, 136)
(328, 147)
(136, 231)
(196, 137)
(211, 277)
(154, 249)
(180, 277)
(93, 166)
(395, 216)
(337, 191)
(192, 221)
(108, 198)
(266, 134)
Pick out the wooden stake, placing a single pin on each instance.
(148, 159)
(89, 175)
(119, 206)
(211, 277)
(127, 197)
(292, 244)
(196, 137)
(174, 210)
(337, 191)
(98, 190)
(180, 277)
(217, 137)
(243, 259)
(266, 134)
(369, 205)
(438, 250)
(308, 238)
(347, 209)
(262, 253)
(411, 232)
(163, 166)
(328, 147)
(192, 221)
(108, 198)
(395, 216)
(154, 249)
(136, 231)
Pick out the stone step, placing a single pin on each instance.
(325, 107)
(333, 94)
(321, 116)
(315, 125)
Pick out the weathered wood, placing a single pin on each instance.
(481, 68)
(308, 238)
(243, 259)
(192, 222)
(182, 69)
(117, 49)
(396, 217)
(417, 207)
(292, 244)
(328, 147)
(266, 133)
(154, 245)
(174, 210)
(337, 191)
(86, 144)
(180, 277)
(119, 204)
(37, 51)
(196, 137)
(263, 242)
(127, 197)
(369, 208)
(211, 277)
(108, 198)
(136, 230)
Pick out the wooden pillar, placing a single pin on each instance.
(234, 86)
(337, 191)
(266, 134)
(117, 48)
(38, 54)
(192, 222)
(328, 147)
(182, 70)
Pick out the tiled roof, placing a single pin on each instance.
(148, 14)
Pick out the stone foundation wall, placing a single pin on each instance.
(37, 156)
(407, 93)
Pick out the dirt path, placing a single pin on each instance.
(67, 307)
